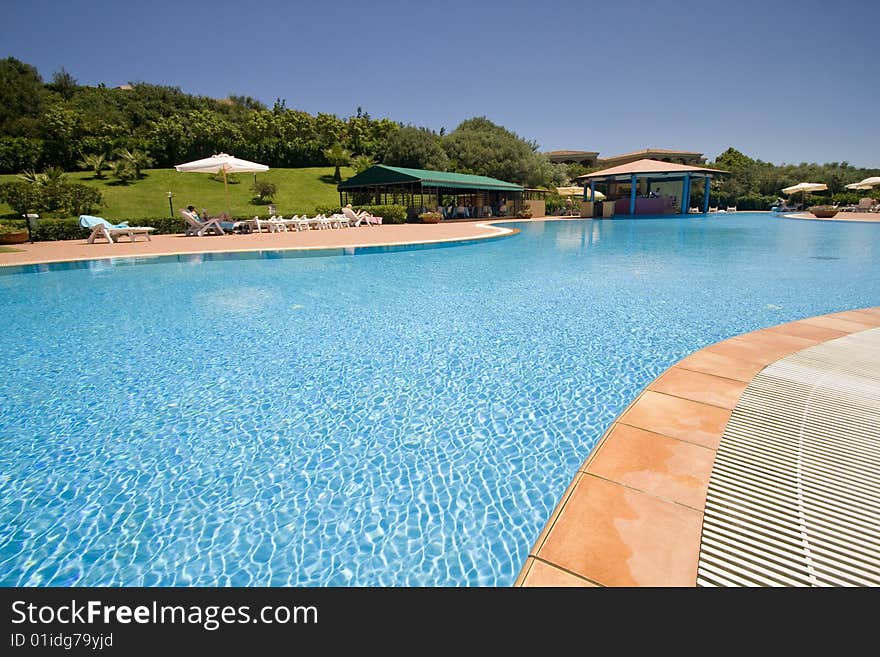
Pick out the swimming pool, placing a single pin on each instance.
(403, 418)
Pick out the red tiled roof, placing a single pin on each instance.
(648, 166)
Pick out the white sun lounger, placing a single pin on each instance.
(201, 228)
(100, 227)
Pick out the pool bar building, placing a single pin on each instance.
(649, 187)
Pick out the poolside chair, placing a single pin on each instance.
(196, 226)
(100, 227)
(693, 210)
(340, 220)
(713, 209)
(354, 219)
(865, 205)
(731, 208)
(300, 223)
(357, 218)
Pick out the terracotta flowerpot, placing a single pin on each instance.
(431, 219)
(13, 238)
(823, 214)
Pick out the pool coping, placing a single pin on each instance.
(632, 515)
(331, 249)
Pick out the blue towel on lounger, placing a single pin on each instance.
(88, 221)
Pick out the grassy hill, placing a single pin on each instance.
(299, 191)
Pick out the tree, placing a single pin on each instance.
(573, 170)
(417, 148)
(22, 95)
(362, 163)
(122, 170)
(479, 146)
(337, 156)
(63, 83)
(137, 160)
(97, 162)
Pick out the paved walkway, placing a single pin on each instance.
(391, 234)
(634, 513)
(869, 217)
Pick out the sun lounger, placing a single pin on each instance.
(100, 227)
(357, 218)
(201, 228)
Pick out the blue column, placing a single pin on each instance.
(593, 189)
(706, 196)
(632, 195)
(686, 194)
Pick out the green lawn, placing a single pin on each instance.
(299, 191)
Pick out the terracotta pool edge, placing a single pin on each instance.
(584, 545)
(498, 233)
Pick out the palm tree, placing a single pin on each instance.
(362, 163)
(32, 177)
(97, 162)
(137, 159)
(54, 176)
(338, 157)
(122, 169)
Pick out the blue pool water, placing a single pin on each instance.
(405, 418)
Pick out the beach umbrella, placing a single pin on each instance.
(805, 187)
(572, 192)
(577, 191)
(222, 163)
(867, 183)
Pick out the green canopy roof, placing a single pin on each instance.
(382, 174)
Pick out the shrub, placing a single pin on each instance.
(264, 192)
(22, 197)
(391, 214)
(66, 198)
(77, 199)
(525, 212)
(49, 230)
(12, 226)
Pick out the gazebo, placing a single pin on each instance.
(654, 187)
(422, 189)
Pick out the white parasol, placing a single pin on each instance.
(221, 163)
(805, 187)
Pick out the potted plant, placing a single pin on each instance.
(12, 234)
(431, 217)
(823, 211)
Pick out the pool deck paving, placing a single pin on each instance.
(866, 217)
(363, 236)
(633, 514)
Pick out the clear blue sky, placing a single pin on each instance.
(783, 81)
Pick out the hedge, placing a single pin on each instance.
(391, 214)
